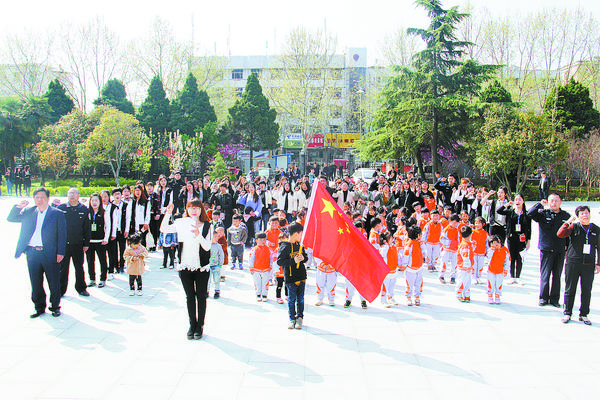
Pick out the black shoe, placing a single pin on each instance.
(363, 304)
(217, 295)
(585, 320)
(56, 313)
(37, 314)
(347, 304)
(543, 303)
(84, 293)
(198, 333)
(452, 281)
(442, 280)
(190, 333)
(555, 304)
(101, 284)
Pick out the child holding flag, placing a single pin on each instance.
(292, 257)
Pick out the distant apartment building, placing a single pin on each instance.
(333, 136)
(25, 80)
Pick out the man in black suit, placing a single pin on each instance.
(43, 239)
(544, 186)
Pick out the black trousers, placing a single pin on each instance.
(38, 264)
(97, 249)
(515, 246)
(574, 273)
(195, 285)
(551, 266)
(155, 229)
(133, 279)
(168, 252)
(72, 252)
(116, 248)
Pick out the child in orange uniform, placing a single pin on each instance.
(498, 267)
(480, 240)
(432, 233)
(450, 241)
(273, 240)
(260, 266)
(389, 252)
(413, 260)
(464, 265)
(326, 281)
(376, 230)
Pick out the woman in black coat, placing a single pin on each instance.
(518, 233)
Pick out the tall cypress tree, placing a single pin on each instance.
(113, 94)
(191, 110)
(253, 119)
(60, 102)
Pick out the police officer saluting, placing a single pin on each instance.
(583, 261)
(78, 239)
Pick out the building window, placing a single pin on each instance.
(335, 129)
(255, 72)
(237, 74)
(238, 92)
(337, 93)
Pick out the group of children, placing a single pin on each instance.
(463, 250)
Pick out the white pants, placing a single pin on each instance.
(350, 289)
(326, 282)
(463, 284)
(261, 282)
(432, 253)
(414, 282)
(495, 284)
(478, 266)
(448, 262)
(389, 284)
(310, 263)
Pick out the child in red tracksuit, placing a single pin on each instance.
(432, 232)
(464, 265)
(498, 267)
(389, 252)
(480, 248)
(413, 261)
(450, 240)
(260, 262)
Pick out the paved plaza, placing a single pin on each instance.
(113, 346)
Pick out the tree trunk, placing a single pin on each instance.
(434, 143)
(419, 158)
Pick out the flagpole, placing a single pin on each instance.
(310, 207)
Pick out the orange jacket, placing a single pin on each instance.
(480, 238)
(432, 232)
(413, 256)
(261, 258)
(390, 256)
(465, 258)
(374, 238)
(273, 239)
(499, 260)
(450, 239)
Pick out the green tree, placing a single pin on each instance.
(572, 109)
(495, 93)
(113, 94)
(219, 167)
(154, 115)
(59, 101)
(191, 110)
(253, 119)
(515, 143)
(118, 139)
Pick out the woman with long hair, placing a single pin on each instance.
(99, 237)
(286, 199)
(195, 233)
(252, 199)
(518, 233)
(140, 213)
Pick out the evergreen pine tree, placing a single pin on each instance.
(113, 94)
(191, 110)
(59, 101)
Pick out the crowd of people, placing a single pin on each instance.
(18, 182)
(466, 234)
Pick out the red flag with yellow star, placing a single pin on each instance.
(335, 240)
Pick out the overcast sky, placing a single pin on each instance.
(248, 27)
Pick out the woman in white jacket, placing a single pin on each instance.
(287, 200)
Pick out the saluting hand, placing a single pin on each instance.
(170, 208)
(22, 204)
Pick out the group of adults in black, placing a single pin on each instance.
(18, 181)
(53, 236)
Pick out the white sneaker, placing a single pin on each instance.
(132, 292)
(392, 301)
(110, 277)
(139, 292)
(331, 302)
(292, 324)
(299, 323)
(319, 302)
(264, 299)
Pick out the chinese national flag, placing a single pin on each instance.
(335, 240)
